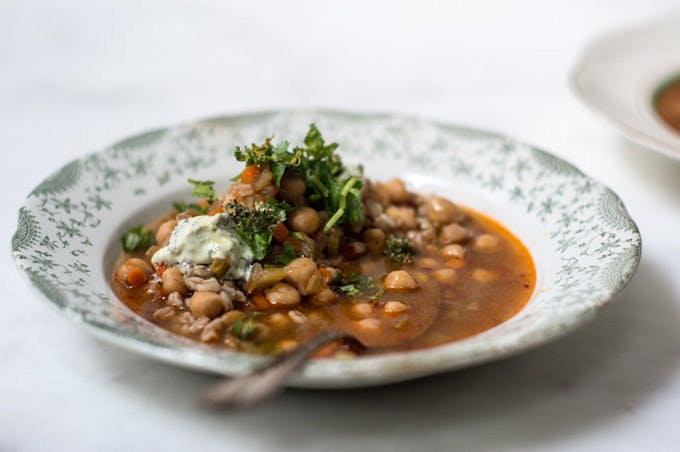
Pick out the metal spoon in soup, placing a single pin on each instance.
(254, 387)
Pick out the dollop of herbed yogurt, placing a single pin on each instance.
(202, 239)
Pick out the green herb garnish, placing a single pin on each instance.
(364, 281)
(331, 187)
(378, 293)
(181, 206)
(350, 289)
(244, 327)
(288, 254)
(137, 238)
(399, 250)
(277, 157)
(204, 189)
(359, 284)
(255, 226)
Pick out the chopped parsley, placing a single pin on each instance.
(277, 157)
(359, 284)
(244, 327)
(204, 189)
(181, 206)
(378, 293)
(255, 226)
(399, 250)
(332, 187)
(350, 289)
(287, 255)
(137, 238)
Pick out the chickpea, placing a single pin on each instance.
(164, 232)
(304, 219)
(297, 317)
(373, 208)
(292, 187)
(282, 294)
(487, 243)
(299, 271)
(375, 240)
(395, 190)
(277, 320)
(207, 304)
(261, 332)
(326, 296)
(317, 317)
(129, 264)
(287, 345)
(361, 310)
(442, 211)
(122, 272)
(141, 263)
(369, 325)
(421, 277)
(453, 233)
(453, 250)
(445, 275)
(404, 217)
(232, 316)
(394, 307)
(400, 280)
(173, 281)
(484, 275)
(427, 263)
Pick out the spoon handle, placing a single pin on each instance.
(251, 388)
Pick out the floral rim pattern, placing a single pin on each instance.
(67, 230)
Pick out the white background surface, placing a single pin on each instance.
(76, 76)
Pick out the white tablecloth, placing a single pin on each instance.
(77, 75)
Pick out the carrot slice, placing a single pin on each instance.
(280, 232)
(325, 273)
(293, 241)
(136, 277)
(217, 210)
(250, 173)
(261, 301)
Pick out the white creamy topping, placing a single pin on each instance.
(201, 239)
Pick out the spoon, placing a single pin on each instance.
(249, 389)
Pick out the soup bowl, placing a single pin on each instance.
(584, 244)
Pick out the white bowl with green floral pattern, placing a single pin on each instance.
(584, 244)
